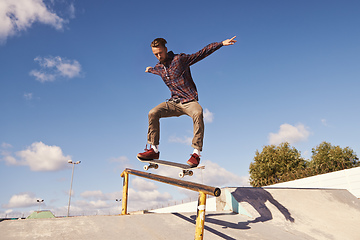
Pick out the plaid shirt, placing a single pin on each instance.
(176, 74)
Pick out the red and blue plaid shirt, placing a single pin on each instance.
(176, 74)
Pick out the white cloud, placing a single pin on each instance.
(9, 211)
(93, 194)
(54, 67)
(91, 205)
(143, 195)
(4, 151)
(121, 163)
(146, 199)
(71, 10)
(183, 140)
(43, 77)
(28, 96)
(6, 145)
(289, 133)
(39, 157)
(121, 159)
(8, 158)
(137, 200)
(142, 190)
(141, 184)
(21, 200)
(99, 195)
(208, 116)
(324, 122)
(19, 15)
(67, 68)
(212, 175)
(217, 176)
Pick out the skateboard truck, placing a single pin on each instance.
(186, 172)
(151, 165)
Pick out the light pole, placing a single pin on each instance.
(72, 177)
(40, 201)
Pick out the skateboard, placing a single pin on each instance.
(186, 169)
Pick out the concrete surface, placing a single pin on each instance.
(211, 204)
(348, 179)
(264, 214)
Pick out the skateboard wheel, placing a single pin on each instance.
(181, 175)
(156, 166)
(146, 167)
(191, 173)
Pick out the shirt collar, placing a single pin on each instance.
(170, 57)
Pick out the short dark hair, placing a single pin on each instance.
(158, 42)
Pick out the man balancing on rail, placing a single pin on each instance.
(174, 69)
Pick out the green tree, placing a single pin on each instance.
(327, 158)
(274, 164)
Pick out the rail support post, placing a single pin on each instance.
(125, 175)
(200, 219)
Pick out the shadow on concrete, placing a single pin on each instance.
(225, 224)
(193, 221)
(257, 198)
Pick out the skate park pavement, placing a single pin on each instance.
(241, 213)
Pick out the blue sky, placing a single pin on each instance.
(73, 86)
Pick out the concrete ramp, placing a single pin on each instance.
(305, 213)
(259, 213)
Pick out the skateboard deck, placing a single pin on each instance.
(186, 169)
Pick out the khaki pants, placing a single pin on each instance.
(172, 109)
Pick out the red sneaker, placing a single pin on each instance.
(194, 160)
(149, 154)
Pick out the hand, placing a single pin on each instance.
(230, 41)
(147, 69)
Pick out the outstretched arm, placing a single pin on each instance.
(230, 41)
(209, 49)
(153, 70)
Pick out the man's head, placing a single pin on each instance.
(159, 49)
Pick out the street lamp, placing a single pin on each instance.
(72, 177)
(40, 201)
(118, 200)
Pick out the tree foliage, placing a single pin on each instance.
(283, 163)
(273, 163)
(327, 158)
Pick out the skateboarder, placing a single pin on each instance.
(174, 69)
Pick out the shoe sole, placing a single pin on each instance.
(146, 159)
(191, 164)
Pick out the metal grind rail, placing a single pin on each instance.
(202, 189)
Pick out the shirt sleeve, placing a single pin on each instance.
(203, 53)
(155, 70)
